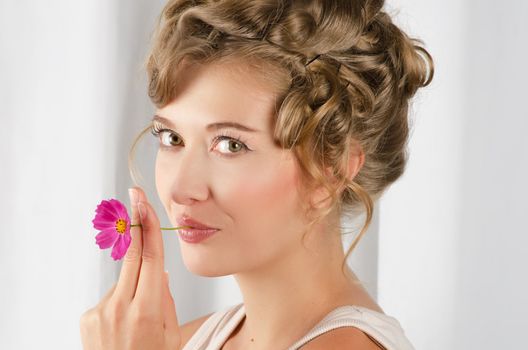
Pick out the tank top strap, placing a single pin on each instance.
(215, 330)
(385, 330)
(382, 328)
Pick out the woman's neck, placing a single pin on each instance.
(285, 299)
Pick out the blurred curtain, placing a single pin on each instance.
(453, 238)
(72, 95)
(444, 253)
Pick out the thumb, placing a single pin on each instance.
(170, 319)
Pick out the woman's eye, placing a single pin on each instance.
(227, 145)
(231, 145)
(169, 139)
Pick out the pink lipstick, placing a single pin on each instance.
(195, 231)
(190, 235)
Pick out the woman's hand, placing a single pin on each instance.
(138, 312)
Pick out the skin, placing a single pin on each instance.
(252, 197)
(138, 312)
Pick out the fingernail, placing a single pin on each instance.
(142, 211)
(132, 193)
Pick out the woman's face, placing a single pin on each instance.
(250, 195)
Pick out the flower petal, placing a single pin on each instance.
(121, 209)
(117, 205)
(105, 239)
(109, 206)
(102, 224)
(123, 214)
(107, 214)
(121, 246)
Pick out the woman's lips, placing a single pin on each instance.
(186, 220)
(194, 231)
(191, 235)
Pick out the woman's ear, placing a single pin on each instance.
(356, 159)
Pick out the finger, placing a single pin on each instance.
(170, 319)
(109, 293)
(149, 290)
(128, 277)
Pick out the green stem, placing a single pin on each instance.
(164, 228)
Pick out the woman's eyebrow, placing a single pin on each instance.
(209, 127)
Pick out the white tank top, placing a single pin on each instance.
(384, 329)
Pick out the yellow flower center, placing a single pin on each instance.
(121, 226)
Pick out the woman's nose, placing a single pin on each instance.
(189, 179)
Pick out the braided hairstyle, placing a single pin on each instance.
(344, 73)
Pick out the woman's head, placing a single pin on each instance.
(245, 184)
(326, 83)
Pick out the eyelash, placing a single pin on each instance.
(156, 129)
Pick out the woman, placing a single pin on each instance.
(274, 118)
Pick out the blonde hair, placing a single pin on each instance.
(343, 72)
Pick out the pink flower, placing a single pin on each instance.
(114, 223)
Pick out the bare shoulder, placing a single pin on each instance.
(188, 329)
(343, 338)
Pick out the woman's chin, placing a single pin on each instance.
(204, 266)
(206, 270)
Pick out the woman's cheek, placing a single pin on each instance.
(266, 201)
(264, 183)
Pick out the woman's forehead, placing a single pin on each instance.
(221, 92)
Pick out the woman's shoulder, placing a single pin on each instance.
(188, 329)
(360, 326)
